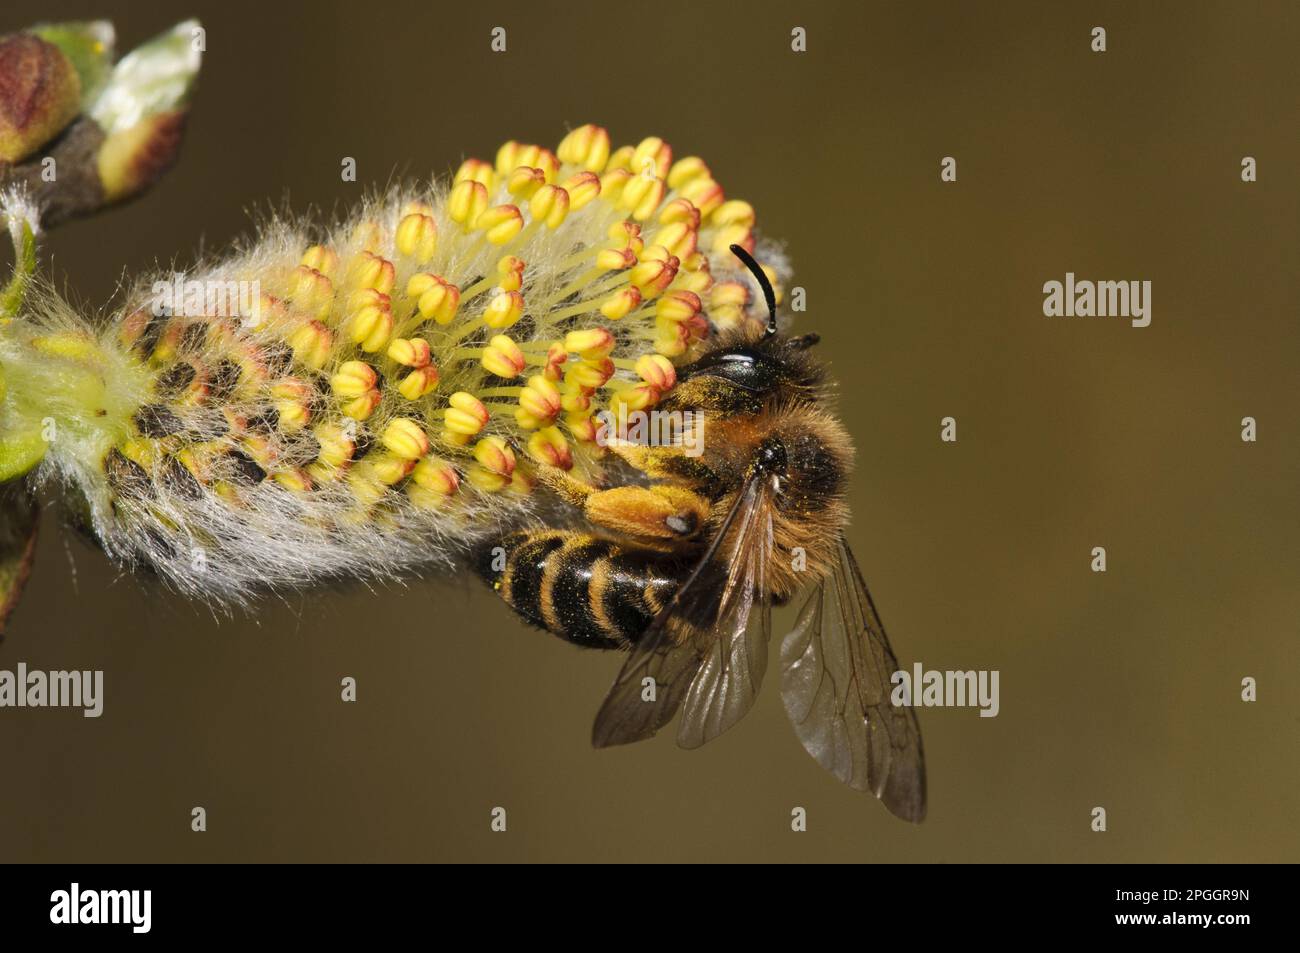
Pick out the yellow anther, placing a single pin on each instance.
(319, 258)
(620, 158)
(574, 398)
(417, 237)
(437, 476)
(733, 212)
(311, 292)
(476, 170)
(620, 303)
(652, 157)
(406, 438)
(391, 468)
(420, 282)
(371, 326)
(540, 400)
(500, 223)
(549, 446)
(553, 369)
(410, 352)
(522, 483)
(591, 343)
(371, 271)
(421, 381)
(615, 259)
(503, 358)
(654, 272)
(270, 310)
(586, 147)
(360, 408)
(511, 155)
(353, 379)
(311, 343)
(439, 301)
(638, 396)
(258, 448)
(657, 371)
(524, 181)
(466, 414)
(485, 480)
(686, 170)
(582, 425)
(467, 201)
(680, 210)
(365, 297)
(612, 184)
(697, 261)
(728, 294)
(679, 238)
(641, 196)
(550, 204)
(548, 163)
(503, 310)
(365, 484)
(582, 188)
(292, 415)
(510, 273)
(678, 306)
(495, 456)
(336, 447)
(589, 374)
(673, 343)
(728, 235)
(296, 480)
(625, 234)
(698, 281)
(705, 194)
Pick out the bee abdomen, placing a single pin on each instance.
(587, 590)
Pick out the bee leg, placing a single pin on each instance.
(659, 512)
(568, 488)
(666, 462)
(587, 590)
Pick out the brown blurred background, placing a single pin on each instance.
(1118, 690)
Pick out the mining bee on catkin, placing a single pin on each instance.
(682, 564)
(445, 369)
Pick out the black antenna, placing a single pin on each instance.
(761, 277)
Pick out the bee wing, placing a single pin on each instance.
(835, 681)
(707, 649)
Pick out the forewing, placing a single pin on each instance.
(835, 681)
(731, 673)
(707, 649)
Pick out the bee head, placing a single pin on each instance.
(740, 372)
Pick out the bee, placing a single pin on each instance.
(681, 566)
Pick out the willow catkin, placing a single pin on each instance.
(372, 398)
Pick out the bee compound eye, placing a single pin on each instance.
(772, 457)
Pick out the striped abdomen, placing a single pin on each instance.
(587, 590)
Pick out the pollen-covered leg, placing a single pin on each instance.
(587, 590)
(660, 512)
